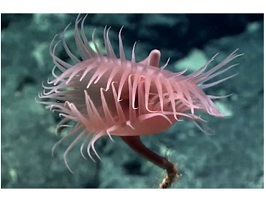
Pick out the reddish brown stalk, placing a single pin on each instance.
(172, 174)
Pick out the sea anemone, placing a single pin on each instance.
(109, 96)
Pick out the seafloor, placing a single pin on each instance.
(231, 158)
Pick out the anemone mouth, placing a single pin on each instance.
(105, 95)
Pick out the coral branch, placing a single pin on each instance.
(170, 177)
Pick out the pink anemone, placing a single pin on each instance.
(105, 95)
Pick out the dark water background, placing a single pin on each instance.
(232, 158)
